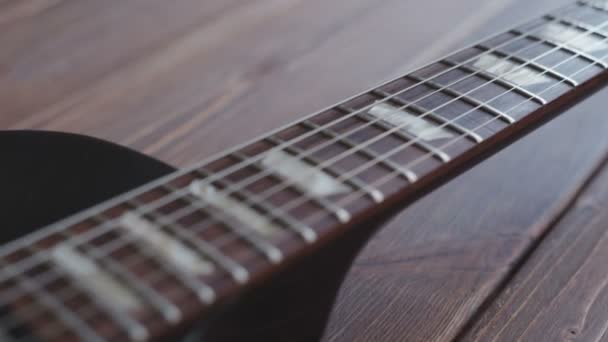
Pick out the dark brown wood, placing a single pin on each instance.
(455, 113)
(560, 293)
(448, 289)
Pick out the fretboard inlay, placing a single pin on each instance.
(410, 123)
(100, 283)
(249, 217)
(165, 246)
(503, 68)
(302, 175)
(177, 249)
(574, 38)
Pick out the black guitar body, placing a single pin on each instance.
(47, 176)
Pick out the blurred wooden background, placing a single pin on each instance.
(183, 79)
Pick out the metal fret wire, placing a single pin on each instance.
(319, 129)
(353, 196)
(121, 272)
(414, 141)
(589, 57)
(330, 162)
(133, 260)
(258, 176)
(372, 162)
(310, 133)
(118, 270)
(272, 253)
(211, 251)
(130, 325)
(436, 75)
(420, 159)
(50, 330)
(167, 199)
(236, 270)
(589, 66)
(102, 254)
(134, 328)
(30, 311)
(67, 293)
(524, 102)
(375, 194)
(93, 233)
(575, 23)
(549, 71)
(499, 95)
(15, 245)
(70, 320)
(306, 232)
(433, 76)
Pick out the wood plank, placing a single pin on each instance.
(561, 291)
(425, 275)
(161, 88)
(185, 79)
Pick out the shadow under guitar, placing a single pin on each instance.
(47, 176)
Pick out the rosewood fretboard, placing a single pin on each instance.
(170, 252)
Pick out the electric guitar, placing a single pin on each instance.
(101, 243)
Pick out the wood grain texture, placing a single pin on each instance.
(156, 77)
(425, 275)
(181, 80)
(561, 292)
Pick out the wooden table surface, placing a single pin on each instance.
(493, 254)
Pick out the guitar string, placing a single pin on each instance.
(372, 162)
(66, 294)
(241, 185)
(431, 78)
(330, 162)
(462, 137)
(5, 250)
(238, 167)
(391, 176)
(522, 103)
(52, 274)
(356, 195)
(414, 141)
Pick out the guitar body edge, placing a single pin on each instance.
(47, 176)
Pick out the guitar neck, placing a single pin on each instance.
(174, 249)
